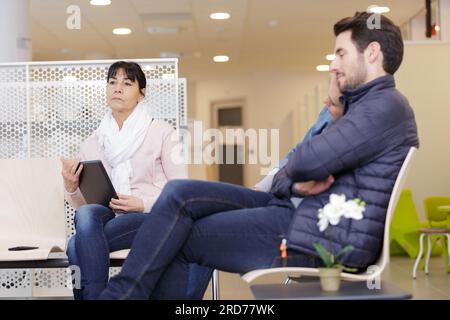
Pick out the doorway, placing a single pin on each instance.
(229, 114)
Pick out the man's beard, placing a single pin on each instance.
(358, 78)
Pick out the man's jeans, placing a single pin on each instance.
(216, 225)
(100, 232)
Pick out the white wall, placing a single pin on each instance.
(424, 78)
(274, 100)
(444, 6)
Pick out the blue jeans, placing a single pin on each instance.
(215, 225)
(99, 232)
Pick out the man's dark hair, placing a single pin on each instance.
(388, 36)
(132, 70)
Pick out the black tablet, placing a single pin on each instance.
(95, 184)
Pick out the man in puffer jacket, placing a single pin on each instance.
(363, 150)
(236, 229)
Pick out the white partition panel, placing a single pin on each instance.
(47, 109)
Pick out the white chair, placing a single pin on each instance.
(429, 232)
(120, 254)
(372, 273)
(32, 213)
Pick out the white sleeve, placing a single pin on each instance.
(266, 183)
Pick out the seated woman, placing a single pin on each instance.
(138, 153)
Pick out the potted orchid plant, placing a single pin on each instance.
(331, 214)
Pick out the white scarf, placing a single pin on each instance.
(120, 145)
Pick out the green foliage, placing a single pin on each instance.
(330, 260)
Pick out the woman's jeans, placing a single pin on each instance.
(215, 225)
(99, 232)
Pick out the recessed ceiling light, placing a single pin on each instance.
(100, 2)
(377, 9)
(220, 16)
(330, 57)
(122, 31)
(323, 68)
(221, 59)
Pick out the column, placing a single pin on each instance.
(15, 28)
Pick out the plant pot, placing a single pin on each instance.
(330, 278)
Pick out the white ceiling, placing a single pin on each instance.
(299, 42)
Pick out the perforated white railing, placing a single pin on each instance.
(47, 109)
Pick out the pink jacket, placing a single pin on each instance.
(152, 164)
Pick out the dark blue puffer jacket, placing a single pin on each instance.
(364, 151)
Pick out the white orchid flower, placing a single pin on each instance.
(353, 210)
(333, 213)
(323, 221)
(338, 207)
(337, 200)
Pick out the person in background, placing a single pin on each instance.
(332, 110)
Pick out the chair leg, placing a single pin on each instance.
(215, 285)
(427, 263)
(419, 256)
(434, 241)
(447, 265)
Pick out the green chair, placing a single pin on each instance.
(437, 219)
(404, 235)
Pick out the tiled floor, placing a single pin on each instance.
(435, 286)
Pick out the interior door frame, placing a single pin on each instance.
(215, 105)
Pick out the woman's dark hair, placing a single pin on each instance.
(388, 35)
(132, 70)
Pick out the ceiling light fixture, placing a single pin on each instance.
(377, 9)
(323, 68)
(330, 57)
(121, 31)
(220, 16)
(221, 59)
(100, 2)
